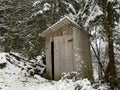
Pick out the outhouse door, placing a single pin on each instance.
(63, 55)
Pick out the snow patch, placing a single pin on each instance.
(111, 0)
(46, 7)
(2, 57)
(37, 2)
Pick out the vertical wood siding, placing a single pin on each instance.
(63, 55)
(82, 55)
(48, 59)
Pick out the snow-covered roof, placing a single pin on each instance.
(61, 23)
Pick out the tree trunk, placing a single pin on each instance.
(110, 71)
(53, 19)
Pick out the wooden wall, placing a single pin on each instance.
(63, 55)
(82, 54)
(48, 59)
(69, 57)
(66, 30)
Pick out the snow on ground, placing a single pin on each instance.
(13, 78)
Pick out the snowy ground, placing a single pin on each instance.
(13, 78)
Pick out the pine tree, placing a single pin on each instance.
(110, 17)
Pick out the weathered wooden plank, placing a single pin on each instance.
(69, 53)
(56, 59)
(67, 29)
(82, 56)
(63, 55)
(76, 50)
(48, 59)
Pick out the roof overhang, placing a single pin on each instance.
(61, 23)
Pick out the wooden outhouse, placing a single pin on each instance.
(67, 49)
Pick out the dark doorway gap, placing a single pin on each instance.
(52, 58)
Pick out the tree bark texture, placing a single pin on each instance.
(110, 71)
